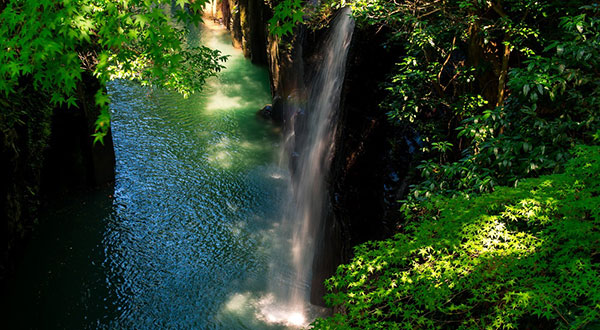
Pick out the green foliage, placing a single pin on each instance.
(52, 42)
(498, 91)
(518, 258)
(286, 15)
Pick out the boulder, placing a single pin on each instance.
(266, 112)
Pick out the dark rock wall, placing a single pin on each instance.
(259, 14)
(72, 161)
(287, 65)
(45, 151)
(24, 133)
(360, 168)
(233, 24)
(247, 21)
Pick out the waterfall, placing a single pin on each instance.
(309, 142)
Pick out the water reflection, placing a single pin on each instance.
(185, 242)
(193, 195)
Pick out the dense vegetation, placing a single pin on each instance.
(501, 226)
(497, 91)
(518, 258)
(50, 44)
(494, 92)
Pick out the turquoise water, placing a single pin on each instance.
(184, 239)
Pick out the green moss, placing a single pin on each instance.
(518, 258)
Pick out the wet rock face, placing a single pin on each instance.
(234, 22)
(266, 111)
(361, 167)
(277, 111)
(247, 21)
(273, 112)
(226, 13)
(359, 172)
(287, 66)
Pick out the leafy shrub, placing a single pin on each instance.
(286, 15)
(553, 105)
(525, 257)
(52, 42)
(497, 91)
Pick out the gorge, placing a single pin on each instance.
(285, 164)
(202, 214)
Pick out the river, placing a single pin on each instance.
(183, 239)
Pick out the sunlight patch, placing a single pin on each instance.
(221, 159)
(220, 101)
(274, 312)
(238, 302)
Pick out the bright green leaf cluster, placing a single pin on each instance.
(53, 42)
(286, 15)
(518, 258)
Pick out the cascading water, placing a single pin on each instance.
(310, 131)
(179, 242)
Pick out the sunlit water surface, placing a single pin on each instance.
(185, 239)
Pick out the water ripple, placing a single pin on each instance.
(193, 194)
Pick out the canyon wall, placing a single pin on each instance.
(46, 151)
